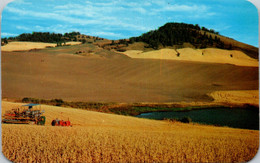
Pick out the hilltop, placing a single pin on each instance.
(181, 35)
(170, 35)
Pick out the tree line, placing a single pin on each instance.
(178, 33)
(45, 37)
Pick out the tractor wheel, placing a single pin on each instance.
(53, 122)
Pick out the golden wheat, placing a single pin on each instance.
(100, 137)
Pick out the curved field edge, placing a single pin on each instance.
(100, 137)
(111, 77)
(248, 99)
(236, 97)
(25, 45)
(210, 55)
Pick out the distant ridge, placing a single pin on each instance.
(173, 35)
(181, 35)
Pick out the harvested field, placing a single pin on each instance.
(73, 43)
(107, 76)
(210, 55)
(23, 46)
(99, 137)
(237, 97)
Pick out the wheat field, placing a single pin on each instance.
(100, 137)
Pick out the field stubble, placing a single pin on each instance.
(101, 137)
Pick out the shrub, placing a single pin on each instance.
(31, 100)
(185, 119)
(83, 41)
(26, 99)
(57, 102)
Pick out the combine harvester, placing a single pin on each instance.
(26, 114)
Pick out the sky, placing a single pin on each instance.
(118, 19)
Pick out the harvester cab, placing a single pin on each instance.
(25, 114)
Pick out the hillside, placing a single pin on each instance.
(208, 55)
(170, 35)
(99, 75)
(48, 37)
(188, 66)
(100, 137)
(25, 46)
(181, 35)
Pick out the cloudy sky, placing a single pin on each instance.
(117, 19)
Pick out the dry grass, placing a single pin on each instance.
(73, 43)
(211, 55)
(236, 97)
(100, 137)
(23, 45)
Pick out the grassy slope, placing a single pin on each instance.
(250, 50)
(23, 45)
(99, 137)
(106, 76)
(210, 55)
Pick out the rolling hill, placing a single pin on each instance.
(181, 35)
(107, 76)
(133, 70)
(125, 72)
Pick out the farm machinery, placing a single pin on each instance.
(57, 122)
(25, 114)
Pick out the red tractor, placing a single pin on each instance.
(57, 122)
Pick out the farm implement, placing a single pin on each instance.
(25, 114)
(58, 122)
